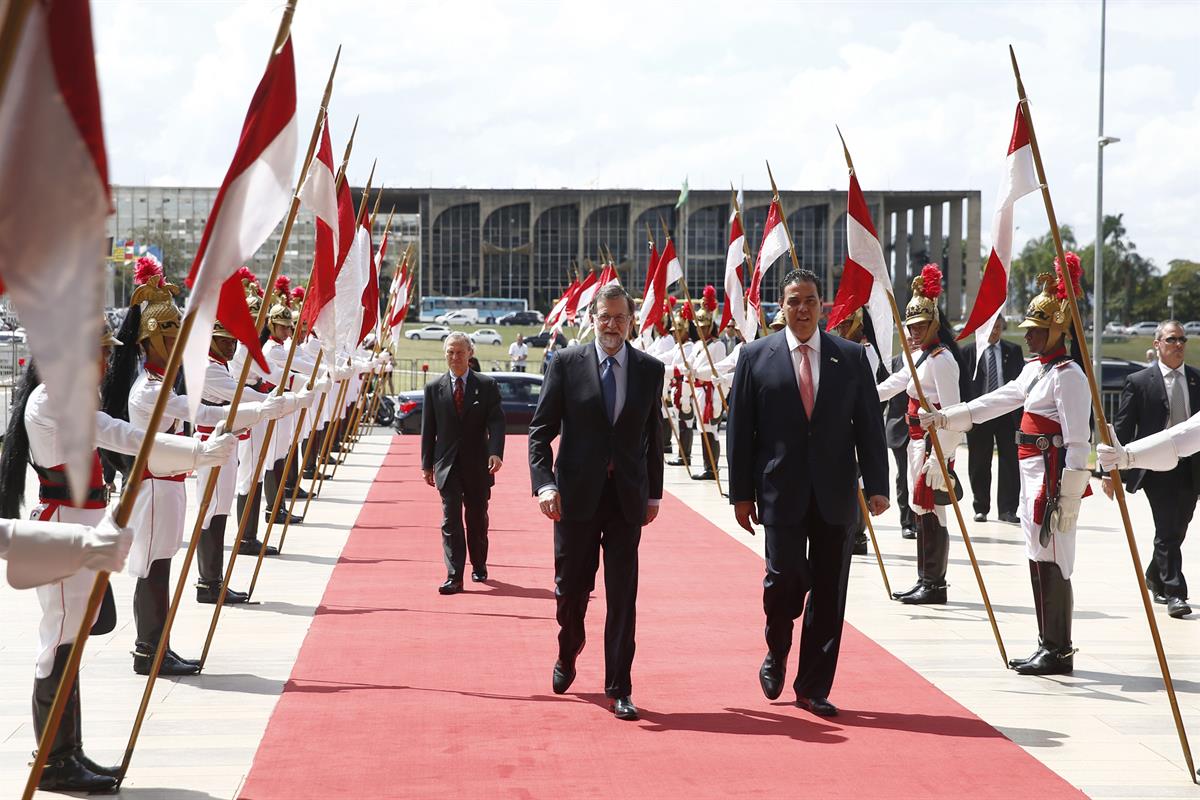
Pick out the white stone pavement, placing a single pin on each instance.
(1107, 729)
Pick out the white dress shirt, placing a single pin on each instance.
(814, 356)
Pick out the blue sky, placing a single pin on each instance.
(640, 94)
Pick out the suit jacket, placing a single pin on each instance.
(462, 444)
(895, 426)
(571, 407)
(1012, 361)
(776, 454)
(1145, 410)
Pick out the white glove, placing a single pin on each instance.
(322, 385)
(1070, 493)
(932, 420)
(933, 474)
(216, 450)
(1114, 456)
(274, 407)
(343, 373)
(105, 547)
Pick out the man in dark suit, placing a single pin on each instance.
(603, 399)
(462, 448)
(804, 420)
(1156, 398)
(895, 430)
(1002, 362)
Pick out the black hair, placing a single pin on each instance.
(124, 366)
(945, 336)
(15, 456)
(798, 276)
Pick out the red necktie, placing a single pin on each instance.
(458, 395)
(806, 382)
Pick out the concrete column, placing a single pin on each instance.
(833, 211)
(529, 274)
(900, 279)
(955, 260)
(935, 256)
(972, 259)
(885, 231)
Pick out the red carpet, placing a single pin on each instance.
(399, 692)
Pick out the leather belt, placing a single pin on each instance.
(1040, 440)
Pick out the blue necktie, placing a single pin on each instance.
(608, 387)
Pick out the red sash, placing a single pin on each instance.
(52, 483)
(1037, 425)
(707, 416)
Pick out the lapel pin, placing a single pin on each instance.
(834, 360)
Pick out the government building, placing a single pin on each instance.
(526, 243)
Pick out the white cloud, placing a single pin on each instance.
(638, 94)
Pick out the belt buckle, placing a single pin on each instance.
(1042, 443)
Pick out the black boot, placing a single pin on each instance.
(933, 554)
(172, 664)
(1056, 656)
(210, 551)
(1036, 583)
(67, 769)
(685, 447)
(209, 592)
(715, 449)
(68, 774)
(271, 483)
(293, 478)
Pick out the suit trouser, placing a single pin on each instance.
(821, 574)
(980, 439)
(577, 546)
(458, 539)
(1172, 502)
(900, 456)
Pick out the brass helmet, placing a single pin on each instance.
(926, 288)
(281, 308)
(160, 315)
(252, 289)
(680, 322)
(779, 322)
(1050, 307)
(706, 318)
(851, 328)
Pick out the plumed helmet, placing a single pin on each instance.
(281, 308)
(926, 288)
(1050, 308)
(853, 325)
(252, 289)
(778, 322)
(160, 315)
(706, 314)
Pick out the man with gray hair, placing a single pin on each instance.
(1154, 399)
(462, 448)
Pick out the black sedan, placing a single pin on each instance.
(518, 396)
(520, 318)
(542, 339)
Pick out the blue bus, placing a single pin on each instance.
(490, 308)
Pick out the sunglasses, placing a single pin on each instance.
(1175, 339)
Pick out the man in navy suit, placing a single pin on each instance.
(602, 401)
(803, 421)
(1161, 396)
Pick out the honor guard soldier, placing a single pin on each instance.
(1053, 447)
(936, 363)
(680, 391)
(707, 395)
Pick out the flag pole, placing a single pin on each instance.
(121, 518)
(351, 438)
(13, 26)
(1102, 422)
(368, 378)
(373, 406)
(762, 319)
(937, 449)
(696, 411)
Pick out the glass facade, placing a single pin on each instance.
(453, 261)
(651, 218)
(555, 248)
(607, 227)
(507, 252)
(707, 244)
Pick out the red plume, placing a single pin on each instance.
(246, 275)
(145, 269)
(283, 285)
(932, 277)
(298, 294)
(686, 311)
(710, 297)
(671, 301)
(1076, 271)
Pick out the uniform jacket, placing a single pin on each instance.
(972, 385)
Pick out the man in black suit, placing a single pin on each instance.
(1002, 362)
(804, 405)
(1156, 398)
(462, 448)
(603, 399)
(895, 431)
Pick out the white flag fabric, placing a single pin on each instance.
(252, 199)
(774, 244)
(350, 284)
(674, 271)
(53, 169)
(735, 300)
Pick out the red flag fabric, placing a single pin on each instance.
(774, 244)
(653, 306)
(651, 310)
(318, 194)
(370, 295)
(347, 225)
(253, 197)
(560, 306)
(584, 290)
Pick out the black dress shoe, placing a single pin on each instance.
(926, 595)
(1177, 607)
(1158, 597)
(770, 676)
(1048, 662)
(980, 517)
(209, 592)
(68, 774)
(108, 772)
(301, 494)
(817, 705)
(707, 475)
(1013, 663)
(908, 533)
(860, 545)
(678, 462)
(1009, 517)
(450, 587)
(563, 677)
(623, 708)
(172, 665)
(907, 592)
(479, 575)
(252, 548)
(282, 518)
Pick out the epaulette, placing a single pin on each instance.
(937, 350)
(1063, 364)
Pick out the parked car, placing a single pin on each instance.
(1114, 371)
(13, 337)
(436, 333)
(486, 336)
(1114, 327)
(461, 316)
(518, 397)
(1145, 328)
(543, 338)
(1191, 328)
(521, 318)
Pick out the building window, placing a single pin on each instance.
(454, 254)
(607, 227)
(555, 246)
(651, 219)
(506, 252)
(707, 244)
